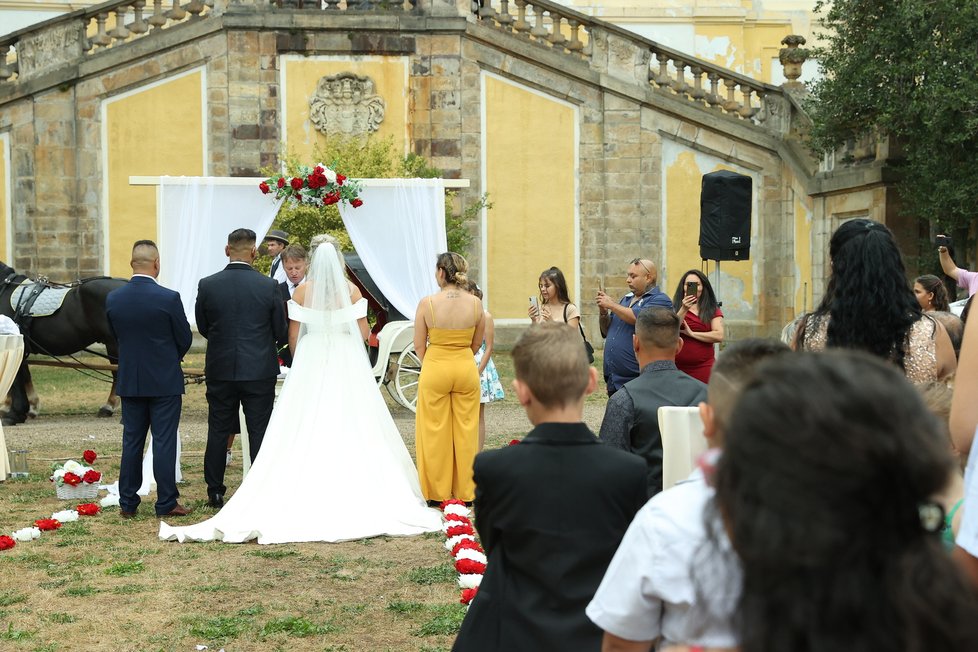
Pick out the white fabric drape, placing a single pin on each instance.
(195, 215)
(11, 353)
(398, 233)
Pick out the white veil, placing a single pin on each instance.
(326, 305)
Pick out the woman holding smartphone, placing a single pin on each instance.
(554, 303)
(702, 327)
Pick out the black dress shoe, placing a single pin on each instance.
(215, 500)
(124, 514)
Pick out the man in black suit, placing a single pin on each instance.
(241, 313)
(153, 334)
(550, 511)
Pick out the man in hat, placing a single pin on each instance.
(275, 242)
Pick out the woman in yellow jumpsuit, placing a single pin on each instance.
(448, 330)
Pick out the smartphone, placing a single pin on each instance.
(943, 241)
(692, 288)
(534, 304)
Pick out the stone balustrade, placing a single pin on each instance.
(39, 48)
(345, 5)
(556, 27)
(546, 23)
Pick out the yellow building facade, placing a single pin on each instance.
(589, 155)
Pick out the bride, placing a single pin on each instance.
(333, 465)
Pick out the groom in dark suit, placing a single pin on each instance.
(240, 312)
(149, 323)
(550, 511)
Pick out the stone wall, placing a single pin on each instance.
(624, 121)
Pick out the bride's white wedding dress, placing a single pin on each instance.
(332, 465)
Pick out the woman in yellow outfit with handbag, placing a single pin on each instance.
(448, 330)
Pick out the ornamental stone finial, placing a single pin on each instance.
(793, 56)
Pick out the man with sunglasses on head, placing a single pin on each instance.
(617, 321)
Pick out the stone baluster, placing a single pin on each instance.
(485, 10)
(557, 37)
(158, 19)
(679, 83)
(713, 97)
(747, 111)
(6, 70)
(176, 12)
(138, 25)
(195, 8)
(698, 93)
(662, 79)
(503, 17)
(539, 30)
(762, 107)
(120, 32)
(101, 38)
(730, 104)
(332, 5)
(521, 26)
(575, 45)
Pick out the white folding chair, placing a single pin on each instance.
(682, 442)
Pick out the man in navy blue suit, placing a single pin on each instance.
(151, 327)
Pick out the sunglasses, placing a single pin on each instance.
(638, 261)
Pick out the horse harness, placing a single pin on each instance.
(39, 298)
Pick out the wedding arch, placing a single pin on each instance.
(398, 231)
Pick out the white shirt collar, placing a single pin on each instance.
(147, 276)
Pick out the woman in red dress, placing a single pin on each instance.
(702, 326)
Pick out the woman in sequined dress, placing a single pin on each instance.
(869, 305)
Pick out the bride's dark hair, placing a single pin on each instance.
(828, 459)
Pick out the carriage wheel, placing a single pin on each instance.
(406, 378)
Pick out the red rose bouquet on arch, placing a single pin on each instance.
(315, 186)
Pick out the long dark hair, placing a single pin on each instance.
(828, 459)
(707, 304)
(870, 304)
(935, 286)
(557, 278)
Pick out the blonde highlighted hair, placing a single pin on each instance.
(455, 268)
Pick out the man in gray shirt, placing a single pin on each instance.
(631, 420)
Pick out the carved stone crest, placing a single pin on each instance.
(346, 104)
(50, 48)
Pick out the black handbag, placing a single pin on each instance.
(587, 345)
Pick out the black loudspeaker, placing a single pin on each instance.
(725, 203)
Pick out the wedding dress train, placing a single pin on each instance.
(332, 466)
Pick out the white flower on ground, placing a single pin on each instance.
(469, 580)
(111, 500)
(474, 555)
(65, 516)
(26, 534)
(460, 510)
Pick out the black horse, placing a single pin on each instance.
(76, 325)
